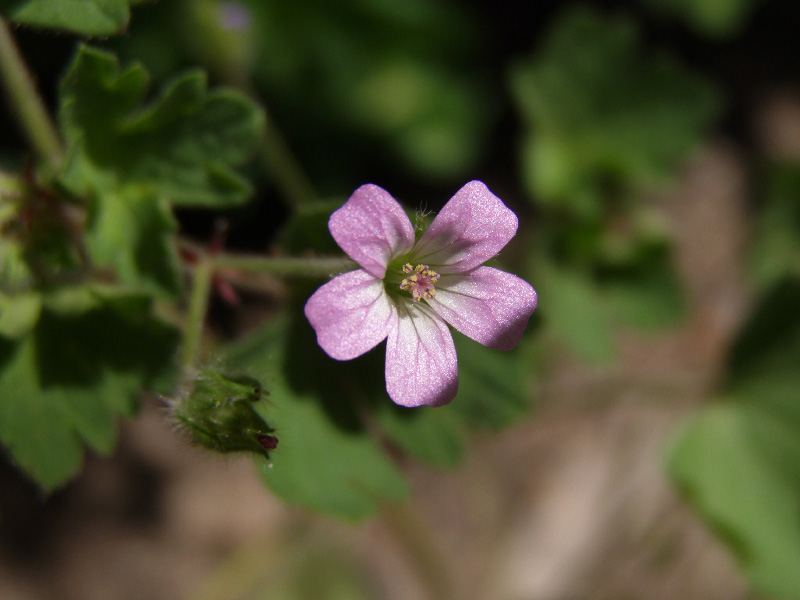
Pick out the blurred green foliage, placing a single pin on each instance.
(715, 18)
(86, 17)
(739, 461)
(379, 81)
(604, 114)
(66, 380)
(606, 119)
(595, 116)
(776, 251)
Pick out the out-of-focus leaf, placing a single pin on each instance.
(19, 313)
(722, 466)
(586, 305)
(433, 435)
(308, 229)
(776, 252)
(131, 233)
(84, 17)
(739, 462)
(492, 386)
(65, 383)
(602, 111)
(575, 312)
(321, 463)
(648, 299)
(183, 146)
(715, 18)
(358, 76)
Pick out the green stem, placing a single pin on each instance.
(196, 315)
(285, 266)
(285, 169)
(428, 562)
(25, 100)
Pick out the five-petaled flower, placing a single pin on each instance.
(407, 291)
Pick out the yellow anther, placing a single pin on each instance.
(420, 284)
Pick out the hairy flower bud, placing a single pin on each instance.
(217, 411)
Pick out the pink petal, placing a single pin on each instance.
(421, 366)
(351, 314)
(488, 305)
(471, 228)
(372, 228)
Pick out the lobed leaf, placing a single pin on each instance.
(131, 232)
(602, 111)
(84, 17)
(183, 146)
(64, 383)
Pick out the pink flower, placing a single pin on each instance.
(408, 291)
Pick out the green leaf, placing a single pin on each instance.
(602, 111)
(729, 476)
(492, 390)
(84, 17)
(715, 18)
(776, 251)
(307, 229)
(739, 462)
(19, 313)
(183, 146)
(429, 105)
(324, 462)
(430, 434)
(67, 381)
(131, 233)
(574, 312)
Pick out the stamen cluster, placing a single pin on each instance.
(420, 284)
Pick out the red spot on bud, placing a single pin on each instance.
(268, 442)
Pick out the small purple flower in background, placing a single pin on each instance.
(235, 16)
(409, 291)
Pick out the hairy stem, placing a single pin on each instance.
(196, 314)
(25, 100)
(285, 266)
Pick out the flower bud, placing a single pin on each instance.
(217, 411)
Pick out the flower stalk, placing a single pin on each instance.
(25, 100)
(284, 266)
(197, 310)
